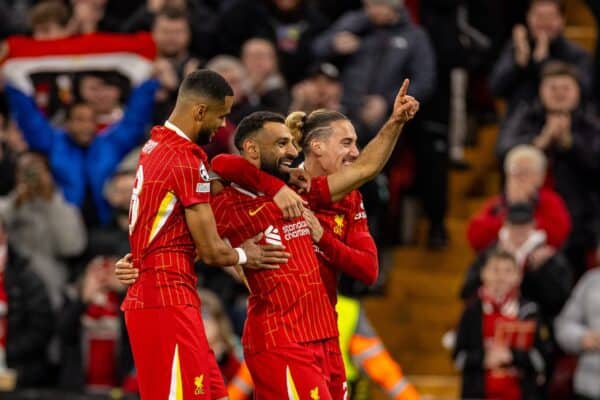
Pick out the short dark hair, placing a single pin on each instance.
(49, 11)
(204, 82)
(252, 123)
(171, 12)
(559, 68)
(499, 254)
(560, 4)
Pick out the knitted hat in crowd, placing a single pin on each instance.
(520, 213)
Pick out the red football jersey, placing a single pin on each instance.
(342, 218)
(172, 175)
(289, 304)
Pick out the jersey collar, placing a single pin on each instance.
(174, 128)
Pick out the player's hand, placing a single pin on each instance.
(267, 256)
(316, 230)
(405, 106)
(124, 270)
(289, 202)
(300, 178)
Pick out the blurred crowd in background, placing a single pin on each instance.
(81, 86)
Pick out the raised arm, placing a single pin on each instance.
(377, 152)
(37, 131)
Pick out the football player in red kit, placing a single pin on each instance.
(170, 223)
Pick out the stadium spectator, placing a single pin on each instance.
(11, 145)
(291, 25)
(578, 332)
(95, 349)
(203, 36)
(547, 277)
(380, 31)
(171, 31)
(26, 317)
(80, 160)
(49, 20)
(516, 75)
(320, 89)
(260, 59)
(89, 16)
(562, 126)
(245, 100)
(500, 348)
(103, 93)
(525, 170)
(42, 225)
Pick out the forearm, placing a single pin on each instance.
(371, 161)
(236, 169)
(219, 254)
(357, 259)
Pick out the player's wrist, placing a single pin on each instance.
(242, 256)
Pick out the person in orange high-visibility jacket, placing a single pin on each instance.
(365, 356)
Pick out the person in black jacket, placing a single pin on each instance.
(26, 318)
(500, 347)
(516, 75)
(563, 126)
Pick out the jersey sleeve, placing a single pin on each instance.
(190, 180)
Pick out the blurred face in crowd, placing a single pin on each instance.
(119, 193)
(81, 124)
(500, 275)
(287, 5)
(172, 36)
(380, 14)
(235, 78)
(526, 173)
(259, 58)
(337, 149)
(33, 171)
(49, 31)
(545, 18)
(328, 92)
(560, 93)
(102, 97)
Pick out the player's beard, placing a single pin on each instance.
(273, 167)
(204, 136)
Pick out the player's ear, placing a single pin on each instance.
(315, 147)
(250, 148)
(200, 111)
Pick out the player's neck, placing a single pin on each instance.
(183, 124)
(313, 167)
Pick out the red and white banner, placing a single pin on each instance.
(128, 54)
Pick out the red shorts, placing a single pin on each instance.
(171, 354)
(306, 371)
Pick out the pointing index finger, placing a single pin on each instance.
(404, 88)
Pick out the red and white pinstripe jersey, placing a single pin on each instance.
(172, 175)
(289, 304)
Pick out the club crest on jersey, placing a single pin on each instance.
(199, 383)
(204, 172)
(338, 229)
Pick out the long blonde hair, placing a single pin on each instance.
(316, 125)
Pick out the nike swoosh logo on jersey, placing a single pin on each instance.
(252, 213)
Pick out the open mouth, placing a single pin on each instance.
(285, 164)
